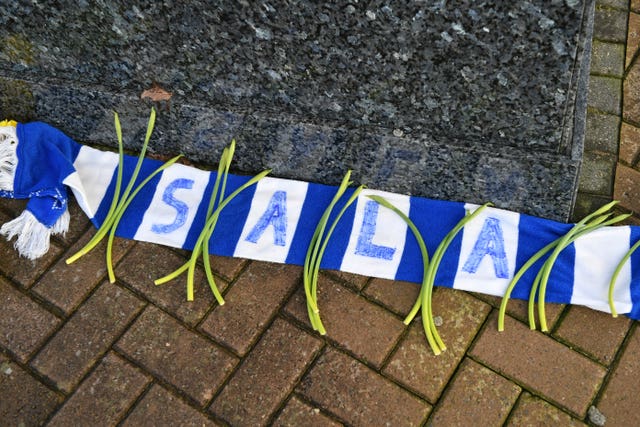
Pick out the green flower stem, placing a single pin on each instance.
(114, 201)
(120, 212)
(223, 171)
(532, 299)
(184, 267)
(427, 326)
(517, 277)
(206, 232)
(435, 263)
(599, 222)
(315, 252)
(318, 259)
(222, 166)
(312, 251)
(568, 238)
(531, 261)
(210, 225)
(614, 278)
(118, 200)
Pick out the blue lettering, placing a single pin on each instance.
(365, 246)
(490, 242)
(275, 215)
(181, 207)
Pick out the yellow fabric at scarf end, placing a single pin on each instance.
(12, 123)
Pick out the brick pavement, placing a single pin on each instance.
(77, 350)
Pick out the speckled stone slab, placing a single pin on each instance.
(451, 100)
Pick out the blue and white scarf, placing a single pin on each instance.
(275, 219)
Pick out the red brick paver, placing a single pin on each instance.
(533, 411)
(170, 296)
(415, 365)
(352, 322)
(84, 338)
(596, 333)
(24, 325)
(395, 295)
(298, 413)
(160, 407)
(267, 375)
(67, 287)
(627, 190)
(485, 396)
(250, 304)
(633, 37)
(22, 270)
(621, 398)
(25, 401)
(540, 363)
(357, 395)
(629, 144)
(176, 355)
(631, 94)
(104, 397)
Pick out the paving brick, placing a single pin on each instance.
(414, 364)
(159, 261)
(251, 303)
(602, 133)
(66, 286)
(520, 309)
(12, 207)
(597, 173)
(633, 37)
(631, 108)
(485, 396)
(370, 332)
(78, 224)
(20, 269)
(598, 334)
(627, 187)
(159, 407)
(104, 396)
(605, 94)
(635, 6)
(533, 411)
(539, 363)
(397, 296)
(621, 398)
(629, 144)
(24, 325)
(227, 267)
(189, 362)
(353, 280)
(607, 58)
(267, 375)
(25, 401)
(619, 4)
(297, 413)
(83, 340)
(355, 393)
(610, 25)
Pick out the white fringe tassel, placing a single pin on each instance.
(62, 224)
(33, 236)
(8, 157)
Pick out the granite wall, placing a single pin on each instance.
(454, 100)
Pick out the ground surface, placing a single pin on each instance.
(77, 350)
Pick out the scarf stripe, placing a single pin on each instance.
(275, 219)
